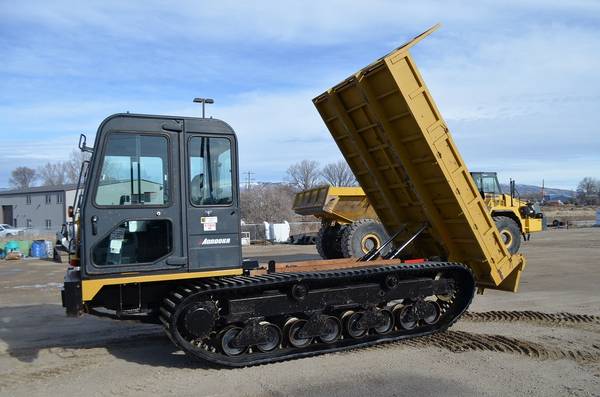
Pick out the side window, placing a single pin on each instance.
(134, 171)
(134, 242)
(211, 178)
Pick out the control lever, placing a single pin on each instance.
(394, 254)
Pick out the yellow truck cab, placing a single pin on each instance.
(512, 215)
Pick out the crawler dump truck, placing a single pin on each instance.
(350, 227)
(159, 231)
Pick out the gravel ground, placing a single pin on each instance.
(505, 347)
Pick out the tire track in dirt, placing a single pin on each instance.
(76, 356)
(461, 341)
(562, 318)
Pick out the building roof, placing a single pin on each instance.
(39, 189)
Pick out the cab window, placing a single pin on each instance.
(489, 184)
(134, 171)
(134, 242)
(210, 178)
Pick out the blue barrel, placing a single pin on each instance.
(38, 249)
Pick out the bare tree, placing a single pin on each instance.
(22, 177)
(73, 166)
(304, 175)
(267, 202)
(338, 174)
(588, 191)
(53, 174)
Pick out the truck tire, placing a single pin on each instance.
(361, 236)
(327, 242)
(509, 232)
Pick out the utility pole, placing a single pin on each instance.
(249, 179)
(542, 200)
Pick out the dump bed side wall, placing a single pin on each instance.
(343, 204)
(391, 133)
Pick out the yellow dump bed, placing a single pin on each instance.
(343, 204)
(387, 126)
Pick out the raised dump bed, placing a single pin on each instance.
(387, 126)
(341, 204)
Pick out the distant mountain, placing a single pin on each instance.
(532, 190)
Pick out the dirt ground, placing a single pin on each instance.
(505, 346)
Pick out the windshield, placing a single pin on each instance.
(487, 182)
(134, 171)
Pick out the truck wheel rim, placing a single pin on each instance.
(369, 241)
(506, 238)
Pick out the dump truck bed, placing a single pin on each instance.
(391, 133)
(343, 204)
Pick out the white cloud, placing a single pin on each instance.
(515, 80)
(274, 130)
(298, 22)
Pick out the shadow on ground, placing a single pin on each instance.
(27, 330)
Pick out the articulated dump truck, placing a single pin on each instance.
(350, 227)
(158, 236)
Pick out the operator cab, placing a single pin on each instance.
(487, 183)
(160, 196)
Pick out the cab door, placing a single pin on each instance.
(131, 212)
(213, 216)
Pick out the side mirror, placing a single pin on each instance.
(82, 144)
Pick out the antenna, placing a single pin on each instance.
(204, 101)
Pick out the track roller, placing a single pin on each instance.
(406, 317)
(386, 322)
(353, 326)
(226, 337)
(293, 327)
(332, 330)
(272, 334)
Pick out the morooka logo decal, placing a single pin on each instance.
(208, 241)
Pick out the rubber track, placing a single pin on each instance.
(532, 316)
(202, 289)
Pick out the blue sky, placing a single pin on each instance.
(518, 82)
